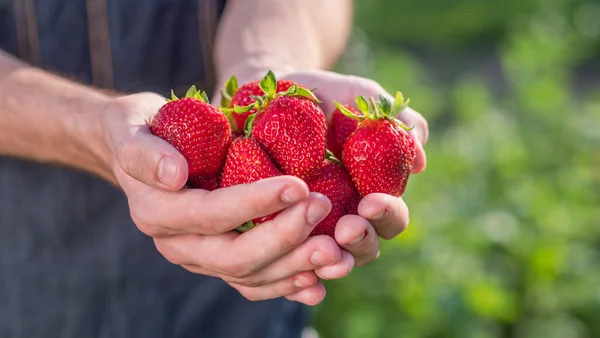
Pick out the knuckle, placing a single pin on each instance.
(239, 270)
(289, 239)
(128, 156)
(169, 253)
(142, 226)
(251, 295)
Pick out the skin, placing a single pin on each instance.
(49, 119)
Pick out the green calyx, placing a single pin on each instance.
(331, 157)
(231, 87)
(246, 226)
(191, 93)
(269, 87)
(248, 125)
(372, 110)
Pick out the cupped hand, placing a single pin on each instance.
(380, 215)
(194, 228)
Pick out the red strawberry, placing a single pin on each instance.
(244, 96)
(340, 129)
(379, 155)
(291, 127)
(199, 131)
(247, 162)
(334, 182)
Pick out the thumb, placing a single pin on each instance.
(139, 154)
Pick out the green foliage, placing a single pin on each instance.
(505, 222)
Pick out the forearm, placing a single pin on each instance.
(281, 34)
(45, 118)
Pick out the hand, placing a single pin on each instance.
(380, 215)
(194, 228)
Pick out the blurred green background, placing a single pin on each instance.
(504, 239)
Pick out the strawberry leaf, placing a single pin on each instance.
(242, 109)
(231, 86)
(225, 99)
(269, 84)
(331, 157)
(202, 96)
(246, 226)
(191, 92)
(402, 125)
(363, 105)
(385, 105)
(374, 108)
(248, 124)
(300, 91)
(173, 97)
(399, 104)
(345, 111)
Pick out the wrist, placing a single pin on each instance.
(87, 135)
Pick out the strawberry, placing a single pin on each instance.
(379, 155)
(290, 126)
(246, 95)
(199, 131)
(333, 181)
(248, 162)
(340, 129)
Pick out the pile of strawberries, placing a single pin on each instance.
(269, 128)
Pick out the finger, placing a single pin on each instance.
(141, 155)
(282, 288)
(311, 296)
(271, 240)
(338, 270)
(218, 211)
(388, 214)
(420, 133)
(356, 235)
(241, 256)
(315, 252)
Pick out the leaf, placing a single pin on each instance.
(269, 84)
(173, 97)
(345, 111)
(231, 86)
(300, 91)
(399, 104)
(204, 97)
(248, 124)
(385, 105)
(191, 92)
(242, 109)
(363, 105)
(330, 156)
(225, 99)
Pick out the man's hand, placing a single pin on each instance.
(194, 228)
(380, 215)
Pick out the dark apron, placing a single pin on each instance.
(72, 263)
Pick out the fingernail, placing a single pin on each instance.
(291, 195)
(379, 216)
(317, 258)
(167, 170)
(358, 239)
(315, 213)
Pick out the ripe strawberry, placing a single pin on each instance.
(248, 162)
(290, 126)
(199, 131)
(379, 155)
(333, 181)
(246, 95)
(340, 129)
